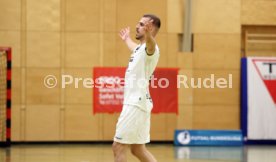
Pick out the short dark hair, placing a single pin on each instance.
(156, 21)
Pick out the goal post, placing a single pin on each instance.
(5, 96)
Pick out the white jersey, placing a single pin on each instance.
(137, 77)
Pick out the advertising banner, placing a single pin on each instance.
(108, 90)
(259, 98)
(208, 138)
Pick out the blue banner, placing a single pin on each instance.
(208, 137)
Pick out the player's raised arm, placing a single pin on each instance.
(150, 41)
(124, 34)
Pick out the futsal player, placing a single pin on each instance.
(133, 126)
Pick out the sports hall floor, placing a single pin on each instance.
(163, 152)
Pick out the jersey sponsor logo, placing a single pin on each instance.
(129, 64)
(267, 72)
(137, 49)
(148, 97)
(131, 59)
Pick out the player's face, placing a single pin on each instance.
(140, 31)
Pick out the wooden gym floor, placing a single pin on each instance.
(163, 153)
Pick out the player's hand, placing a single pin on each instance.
(148, 27)
(124, 33)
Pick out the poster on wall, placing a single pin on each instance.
(108, 90)
(259, 98)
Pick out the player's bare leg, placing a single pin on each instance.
(141, 152)
(120, 152)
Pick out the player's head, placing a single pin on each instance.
(147, 18)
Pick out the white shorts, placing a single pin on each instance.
(133, 126)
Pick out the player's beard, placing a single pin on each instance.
(138, 36)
